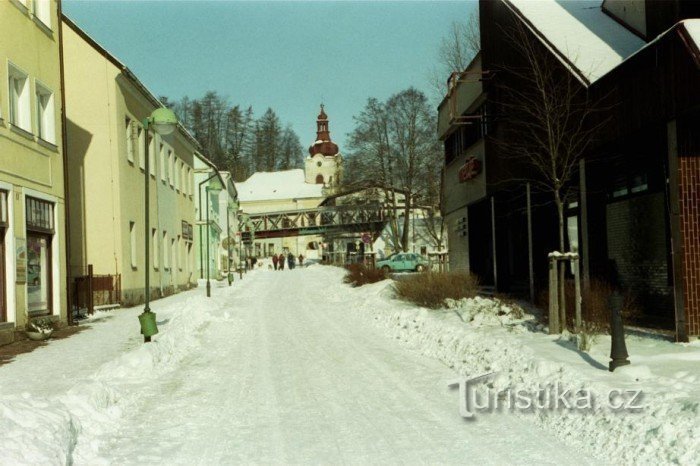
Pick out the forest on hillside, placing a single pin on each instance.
(234, 139)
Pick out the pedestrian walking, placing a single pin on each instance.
(281, 261)
(301, 260)
(290, 261)
(274, 261)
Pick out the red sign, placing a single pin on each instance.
(470, 169)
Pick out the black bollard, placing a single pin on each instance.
(618, 349)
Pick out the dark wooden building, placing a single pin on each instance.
(633, 212)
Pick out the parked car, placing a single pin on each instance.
(404, 262)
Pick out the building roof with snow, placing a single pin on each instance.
(286, 184)
(584, 38)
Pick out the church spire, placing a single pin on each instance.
(323, 144)
(322, 132)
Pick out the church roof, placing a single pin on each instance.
(286, 184)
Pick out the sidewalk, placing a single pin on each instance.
(522, 355)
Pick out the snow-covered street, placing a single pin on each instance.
(287, 374)
(296, 367)
(281, 370)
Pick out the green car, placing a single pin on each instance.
(404, 262)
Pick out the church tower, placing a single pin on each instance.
(324, 163)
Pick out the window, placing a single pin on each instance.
(20, 114)
(190, 189)
(177, 174)
(171, 168)
(141, 149)
(179, 252)
(42, 10)
(154, 240)
(129, 133)
(183, 178)
(161, 153)
(639, 183)
(151, 155)
(132, 238)
(45, 114)
(173, 253)
(40, 230)
(166, 260)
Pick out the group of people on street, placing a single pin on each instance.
(278, 261)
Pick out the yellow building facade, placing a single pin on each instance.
(106, 159)
(32, 196)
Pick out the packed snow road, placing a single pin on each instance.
(286, 373)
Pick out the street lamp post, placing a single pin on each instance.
(163, 122)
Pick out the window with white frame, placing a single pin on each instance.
(45, 114)
(177, 174)
(42, 10)
(141, 149)
(154, 240)
(190, 181)
(132, 238)
(161, 156)
(166, 260)
(20, 112)
(152, 155)
(171, 168)
(179, 252)
(129, 133)
(173, 252)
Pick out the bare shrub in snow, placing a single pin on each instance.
(359, 275)
(432, 289)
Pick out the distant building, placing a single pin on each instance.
(296, 189)
(222, 201)
(32, 195)
(280, 191)
(106, 154)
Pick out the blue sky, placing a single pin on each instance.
(290, 56)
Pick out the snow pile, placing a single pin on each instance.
(666, 430)
(55, 430)
(479, 312)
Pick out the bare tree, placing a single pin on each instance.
(414, 146)
(394, 146)
(550, 119)
(370, 161)
(457, 49)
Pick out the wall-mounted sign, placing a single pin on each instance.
(470, 169)
(21, 260)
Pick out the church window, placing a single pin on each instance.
(319, 163)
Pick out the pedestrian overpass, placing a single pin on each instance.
(321, 220)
